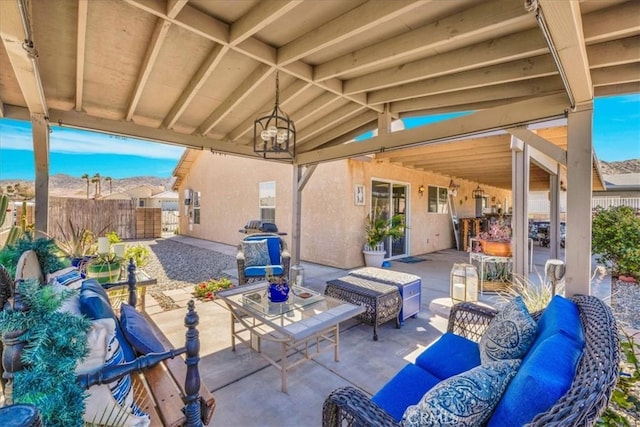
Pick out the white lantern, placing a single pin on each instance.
(103, 245)
(464, 283)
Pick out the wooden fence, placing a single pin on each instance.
(94, 215)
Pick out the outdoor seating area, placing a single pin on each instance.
(246, 385)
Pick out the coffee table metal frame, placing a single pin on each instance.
(307, 329)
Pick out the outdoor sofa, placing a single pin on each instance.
(565, 378)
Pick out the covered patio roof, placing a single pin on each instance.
(197, 72)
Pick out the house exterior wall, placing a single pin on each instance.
(332, 229)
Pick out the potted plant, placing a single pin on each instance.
(278, 286)
(496, 240)
(105, 268)
(377, 229)
(78, 243)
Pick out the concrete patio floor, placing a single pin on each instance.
(247, 387)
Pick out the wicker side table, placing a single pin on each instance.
(381, 302)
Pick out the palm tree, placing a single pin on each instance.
(86, 178)
(96, 180)
(109, 180)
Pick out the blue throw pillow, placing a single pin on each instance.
(466, 399)
(255, 253)
(450, 355)
(138, 332)
(509, 334)
(544, 377)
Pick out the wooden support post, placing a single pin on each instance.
(193, 407)
(579, 187)
(519, 220)
(40, 131)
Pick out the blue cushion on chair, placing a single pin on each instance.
(450, 355)
(545, 375)
(561, 315)
(406, 388)
(255, 271)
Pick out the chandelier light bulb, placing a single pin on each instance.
(273, 131)
(265, 135)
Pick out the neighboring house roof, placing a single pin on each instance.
(166, 195)
(622, 179)
(184, 164)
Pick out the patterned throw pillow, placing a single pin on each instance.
(466, 399)
(256, 252)
(510, 333)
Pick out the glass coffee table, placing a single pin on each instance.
(308, 323)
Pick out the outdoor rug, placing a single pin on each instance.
(410, 259)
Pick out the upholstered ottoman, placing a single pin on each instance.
(409, 286)
(382, 302)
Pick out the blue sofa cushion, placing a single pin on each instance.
(466, 399)
(255, 271)
(545, 375)
(138, 331)
(561, 315)
(450, 355)
(509, 334)
(404, 389)
(95, 304)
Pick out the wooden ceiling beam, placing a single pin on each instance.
(620, 74)
(354, 22)
(504, 49)
(286, 96)
(541, 108)
(468, 23)
(480, 154)
(343, 128)
(83, 9)
(131, 129)
(617, 89)
(524, 69)
(615, 52)
(462, 145)
(261, 15)
(564, 23)
(195, 84)
(249, 84)
(23, 59)
(618, 21)
(153, 50)
(544, 85)
(328, 121)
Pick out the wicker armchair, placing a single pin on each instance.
(278, 254)
(582, 405)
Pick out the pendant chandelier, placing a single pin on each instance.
(274, 134)
(478, 193)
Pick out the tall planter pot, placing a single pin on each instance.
(104, 273)
(374, 257)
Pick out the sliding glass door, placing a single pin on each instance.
(387, 200)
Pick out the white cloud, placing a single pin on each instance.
(16, 135)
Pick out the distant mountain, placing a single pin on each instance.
(62, 185)
(620, 168)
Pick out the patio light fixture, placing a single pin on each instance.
(274, 134)
(421, 190)
(478, 193)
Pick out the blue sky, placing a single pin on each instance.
(616, 136)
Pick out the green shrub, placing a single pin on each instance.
(139, 253)
(616, 239)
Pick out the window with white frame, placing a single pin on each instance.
(267, 201)
(196, 207)
(437, 199)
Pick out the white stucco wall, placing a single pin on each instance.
(332, 230)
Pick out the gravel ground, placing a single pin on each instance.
(625, 303)
(177, 265)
